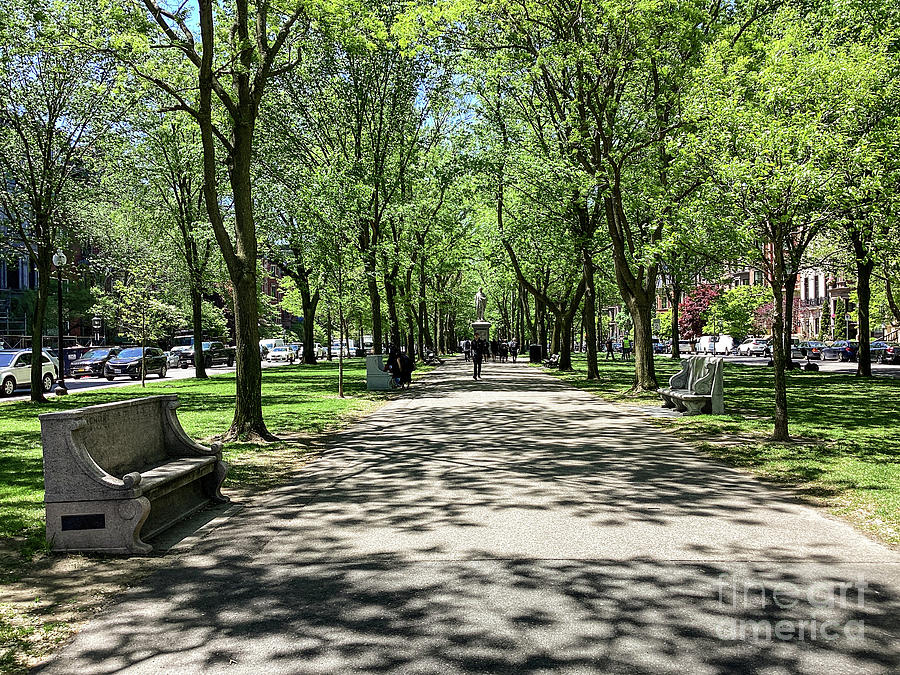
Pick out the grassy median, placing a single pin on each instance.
(296, 399)
(845, 455)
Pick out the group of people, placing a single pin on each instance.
(479, 349)
(401, 366)
(626, 349)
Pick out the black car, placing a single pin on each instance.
(812, 349)
(93, 362)
(128, 363)
(890, 353)
(876, 349)
(214, 353)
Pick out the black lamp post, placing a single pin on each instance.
(59, 259)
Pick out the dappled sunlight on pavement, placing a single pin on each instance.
(511, 525)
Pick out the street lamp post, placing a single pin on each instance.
(59, 259)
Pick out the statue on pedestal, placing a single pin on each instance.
(480, 303)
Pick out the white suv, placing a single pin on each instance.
(15, 370)
(753, 347)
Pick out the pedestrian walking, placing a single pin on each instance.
(626, 348)
(467, 349)
(610, 354)
(504, 352)
(479, 349)
(513, 349)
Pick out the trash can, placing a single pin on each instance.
(534, 353)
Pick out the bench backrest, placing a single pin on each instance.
(698, 370)
(374, 364)
(120, 437)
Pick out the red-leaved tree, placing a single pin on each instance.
(692, 309)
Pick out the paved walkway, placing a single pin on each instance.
(514, 525)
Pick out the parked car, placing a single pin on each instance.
(173, 359)
(214, 354)
(684, 347)
(753, 347)
(715, 344)
(841, 350)
(796, 352)
(876, 349)
(280, 354)
(812, 349)
(269, 344)
(93, 362)
(53, 354)
(890, 354)
(15, 371)
(128, 363)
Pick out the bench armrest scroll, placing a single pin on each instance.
(680, 379)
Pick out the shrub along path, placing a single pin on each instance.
(511, 525)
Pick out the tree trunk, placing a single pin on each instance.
(374, 302)
(589, 317)
(310, 303)
(778, 355)
(790, 288)
(864, 267)
(197, 325)
(241, 254)
(644, 365)
(329, 329)
(248, 419)
(638, 290)
(37, 328)
(676, 337)
(424, 328)
(390, 296)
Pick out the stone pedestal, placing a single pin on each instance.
(482, 328)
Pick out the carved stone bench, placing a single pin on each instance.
(376, 378)
(119, 473)
(697, 388)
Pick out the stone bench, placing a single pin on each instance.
(376, 378)
(119, 473)
(697, 388)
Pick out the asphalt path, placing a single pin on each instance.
(510, 525)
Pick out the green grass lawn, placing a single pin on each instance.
(295, 399)
(846, 430)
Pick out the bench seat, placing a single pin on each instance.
(118, 474)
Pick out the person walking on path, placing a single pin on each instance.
(467, 349)
(610, 354)
(626, 348)
(513, 349)
(479, 348)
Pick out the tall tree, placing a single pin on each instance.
(55, 102)
(232, 69)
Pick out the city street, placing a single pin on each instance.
(96, 383)
(824, 366)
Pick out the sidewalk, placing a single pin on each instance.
(511, 525)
